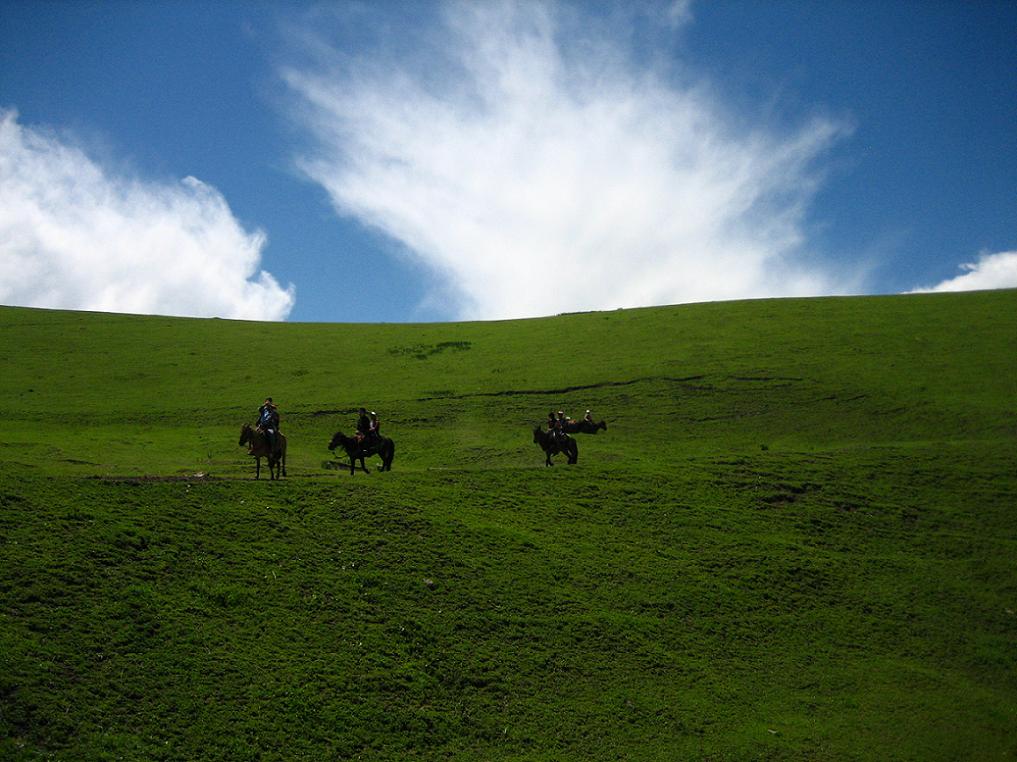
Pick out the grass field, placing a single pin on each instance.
(796, 539)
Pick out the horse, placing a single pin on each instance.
(551, 446)
(384, 448)
(258, 445)
(584, 427)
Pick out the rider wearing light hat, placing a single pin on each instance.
(561, 424)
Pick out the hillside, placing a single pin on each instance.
(794, 541)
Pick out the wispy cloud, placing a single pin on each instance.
(524, 154)
(679, 13)
(989, 272)
(74, 236)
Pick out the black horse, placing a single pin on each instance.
(584, 427)
(384, 448)
(551, 446)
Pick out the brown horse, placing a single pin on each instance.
(384, 447)
(551, 446)
(584, 427)
(257, 444)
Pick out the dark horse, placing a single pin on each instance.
(551, 446)
(584, 427)
(384, 447)
(258, 445)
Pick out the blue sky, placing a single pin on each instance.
(435, 161)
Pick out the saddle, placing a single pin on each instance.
(367, 443)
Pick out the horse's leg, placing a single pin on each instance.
(257, 466)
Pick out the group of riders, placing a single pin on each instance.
(558, 426)
(368, 432)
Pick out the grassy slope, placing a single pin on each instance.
(794, 541)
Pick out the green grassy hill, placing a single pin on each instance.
(796, 540)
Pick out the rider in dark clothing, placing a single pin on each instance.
(556, 427)
(363, 426)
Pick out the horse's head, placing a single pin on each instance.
(336, 439)
(537, 434)
(245, 434)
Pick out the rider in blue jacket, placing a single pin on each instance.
(268, 421)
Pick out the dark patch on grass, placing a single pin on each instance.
(556, 391)
(766, 379)
(425, 351)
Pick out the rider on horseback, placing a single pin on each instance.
(268, 423)
(374, 430)
(367, 429)
(562, 423)
(363, 421)
(557, 427)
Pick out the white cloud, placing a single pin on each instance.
(532, 162)
(679, 13)
(73, 236)
(989, 272)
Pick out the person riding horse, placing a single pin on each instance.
(368, 428)
(556, 426)
(563, 424)
(268, 422)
